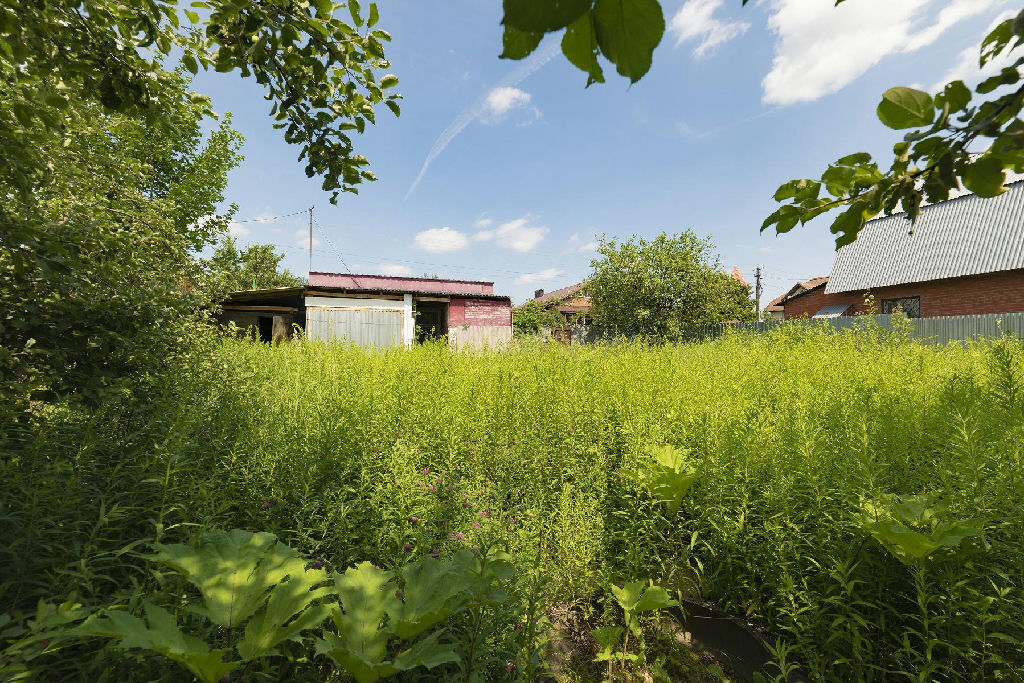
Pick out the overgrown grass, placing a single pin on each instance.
(792, 434)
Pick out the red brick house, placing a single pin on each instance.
(964, 256)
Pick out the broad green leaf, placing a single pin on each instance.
(906, 108)
(607, 638)
(956, 95)
(669, 477)
(233, 571)
(627, 32)
(353, 10)
(518, 44)
(289, 611)
(532, 16)
(367, 596)
(432, 589)
(985, 177)
(579, 45)
(783, 218)
(352, 660)
(161, 636)
(427, 653)
(388, 81)
(374, 16)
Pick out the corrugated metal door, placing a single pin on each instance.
(375, 328)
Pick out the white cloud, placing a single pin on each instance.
(588, 247)
(821, 47)
(966, 66)
(393, 269)
(238, 230)
(517, 235)
(536, 278)
(483, 222)
(574, 238)
(503, 99)
(695, 21)
(441, 240)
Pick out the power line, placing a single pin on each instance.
(268, 219)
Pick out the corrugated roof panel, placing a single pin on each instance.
(968, 235)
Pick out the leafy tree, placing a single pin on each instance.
(96, 292)
(954, 140)
(255, 267)
(657, 288)
(317, 69)
(531, 317)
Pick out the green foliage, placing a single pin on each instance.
(96, 262)
(656, 289)
(531, 317)
(954, 142)
(669, 477)
(319, 72)
(910, 529)
(244, 578)
(633, 597)
(625, 32)
(255, 267)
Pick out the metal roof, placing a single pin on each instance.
(832, 311)
(968, 235)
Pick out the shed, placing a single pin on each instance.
(376, 311)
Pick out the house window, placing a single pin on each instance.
(910, 305)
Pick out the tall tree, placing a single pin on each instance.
(258, 266)
(655, 289)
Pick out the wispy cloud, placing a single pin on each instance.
(441, 240)
(518, 235)
(695, 21)
(546, 275)
(238, 230)
(822, 48)
(539, 58)
(393, 269)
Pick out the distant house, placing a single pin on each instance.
(961, 257)
(570, 301)
(376, 311)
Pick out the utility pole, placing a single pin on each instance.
(757, 293)
(310, 243)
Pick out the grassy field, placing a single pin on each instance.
(855, 496)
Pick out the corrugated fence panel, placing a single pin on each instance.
(369, 328)
(931, 330)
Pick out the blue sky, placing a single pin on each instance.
(738, 101)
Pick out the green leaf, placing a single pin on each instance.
(374, 16)
(531, 16)
(985, 177)
(233, 571)
(190, 63)
(783, 218)
(431, 594)
(388, 81)
(367, 595)
(353, 9)
(669, 477)
(518, 44)
(627, 33)
(607, 638)
(579, 45)
(160, 635)
(906, 108)
(956, 95)
(427, 653)
(289, 611)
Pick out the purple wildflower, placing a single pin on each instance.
(426, 470)
(464, 504)
(440, 522)
(266, 506)
(318, 562)
(422, 484)
(476, 547)
(485, 513)
(476, 525)
(273, 502)
(414, 519)
(510, 667)
(330, 487)
(399, 594)
(435, 554)
(407, 548)
(432, 488)
(460, 536)
(536, 424)
(516, 627)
